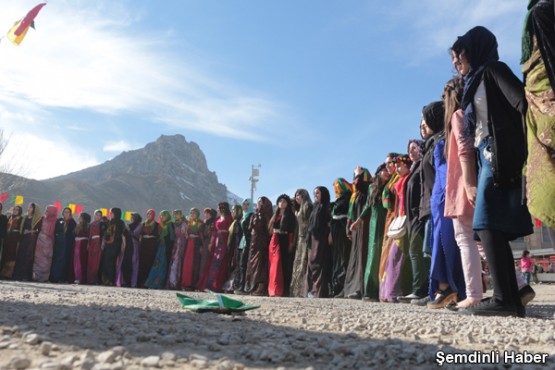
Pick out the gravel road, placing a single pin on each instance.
(52, 326)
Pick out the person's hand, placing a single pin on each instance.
(471, 194)
(355, 225)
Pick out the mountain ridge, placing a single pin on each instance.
(169, 173)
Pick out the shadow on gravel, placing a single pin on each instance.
(238, 338)
(243, 339)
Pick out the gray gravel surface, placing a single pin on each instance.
(48, 326)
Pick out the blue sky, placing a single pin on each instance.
(308, 89)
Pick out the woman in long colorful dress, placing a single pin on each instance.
(175, 266)
(376, 229)
(359, 234)
(150, 234)
(389, 200)
(341, 244)
(235, 236)
(538, 67)
(133, 233)
(243, 248)
(112, 245)
(218, 266)
(256, 282)
(318, 272)
(30, 228)
(193, 251)
(80, 248)
(209, 241)
(298, 281)
(94, 248)
(282, 230)
(11, 243)
(64, 239)
(45, 244)
(157, 276)
(397, 279)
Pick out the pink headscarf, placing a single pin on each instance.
(49, 220)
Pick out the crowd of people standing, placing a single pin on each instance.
(415, 230)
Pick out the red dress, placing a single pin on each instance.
(218, 267)
(193, 257)
(275, 282)
(80, 255)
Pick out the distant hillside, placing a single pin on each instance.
(169, 173)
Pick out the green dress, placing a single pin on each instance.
(375, 240)
(540, 123)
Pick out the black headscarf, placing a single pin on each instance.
(539, 22)
(320, 216)
(480, 47)
(434, 115)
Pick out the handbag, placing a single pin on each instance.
(398, 227)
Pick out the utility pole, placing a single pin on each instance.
(254, 179)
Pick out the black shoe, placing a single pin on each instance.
(491, 307)
(526, 294)
(420, 302)
(409, 298)
(443, 298)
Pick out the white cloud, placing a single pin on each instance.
(95, 56)
(434, 25)
(35, 157)
(117, 146)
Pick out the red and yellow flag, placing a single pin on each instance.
(17, 33)
(3, 197)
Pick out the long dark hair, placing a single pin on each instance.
(377, 186)
(287, 222)
(452, 98)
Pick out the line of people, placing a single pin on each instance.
(414, 231)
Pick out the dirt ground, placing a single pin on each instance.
(51, 326)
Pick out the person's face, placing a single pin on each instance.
(16, 211)
(97, 216)
(233, 213)
(150, 216)
(282, 204)
(164, 217)
(30, 209)
(299, 198)
(207, 215)
(389, 165)
(384, 175)
(425, 130)
(246, 206)
(193, 215)
(67, 214)
(402, 169)
(461, 63)
(414, 151)
(259, 204)
(111, 215)
(317, 195)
